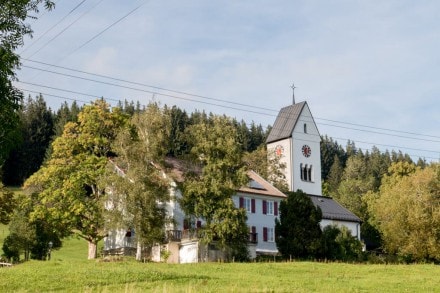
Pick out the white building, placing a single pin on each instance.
(296, 141)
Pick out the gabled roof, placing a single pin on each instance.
(332, 210)
(285, 122)
(259, 186)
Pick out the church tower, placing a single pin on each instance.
(295, 139)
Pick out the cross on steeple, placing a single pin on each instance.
(293, 87)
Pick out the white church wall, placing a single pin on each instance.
(312, 139)
(283, 149)
(352, 226)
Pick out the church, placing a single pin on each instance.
(295, 140)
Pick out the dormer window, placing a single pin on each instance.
(305, 128)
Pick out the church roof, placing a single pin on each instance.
(332, 210)
(285, 122)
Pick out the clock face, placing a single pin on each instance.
(306, 150)
(279, 150)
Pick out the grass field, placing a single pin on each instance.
(70, 271)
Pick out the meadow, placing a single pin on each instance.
(70, 271)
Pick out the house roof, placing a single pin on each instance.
(285, 122)
(332, 210)
(259, 186)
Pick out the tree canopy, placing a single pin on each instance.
(407, 211)
(138, 195)
(207, 194)
(13, 28)
(297, 231)
(68, 188)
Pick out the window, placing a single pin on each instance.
(268, 234)
(270, 207)
(305, 128)
(248, 204)
(306, 173)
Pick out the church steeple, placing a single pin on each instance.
(295, 139)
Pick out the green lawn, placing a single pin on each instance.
(70, 271)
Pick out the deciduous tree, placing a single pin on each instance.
(68, 188)
(139, 194)
(208, 194)
(406, 211)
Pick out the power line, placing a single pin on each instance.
(118, 100)
(335, 138)
(229, 102)
(213, 104)
(51, 28)
(63, 30)
(149, 86)
(101, 32)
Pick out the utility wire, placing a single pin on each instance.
(335, 138)
(219, 105)
(51, 28)
(224, 101)
(101, 32)
(63, 30)
(150, 86)
(118, 100)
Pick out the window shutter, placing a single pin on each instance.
(275, 208)
(264, 234)
(253, 205)
(241, 202)
(199, 224)
(264, 207)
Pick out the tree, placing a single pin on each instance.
(36, 128)
(7, 204)
(69, 194)
(179, 121)
(207, 194)
(268, 166)
(406, 210)
(138, 196)
(27, 236)
(13, 30)
(297, 232)
(329, 151)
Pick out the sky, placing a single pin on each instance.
(369, 70)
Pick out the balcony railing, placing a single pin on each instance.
(174, 235)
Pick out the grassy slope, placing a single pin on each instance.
(70, 271)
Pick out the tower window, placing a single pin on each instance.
(305, 128)
(306, 173)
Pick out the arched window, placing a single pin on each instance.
(305, 128)
(310, 173)
(305, 173)
(301, 168)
